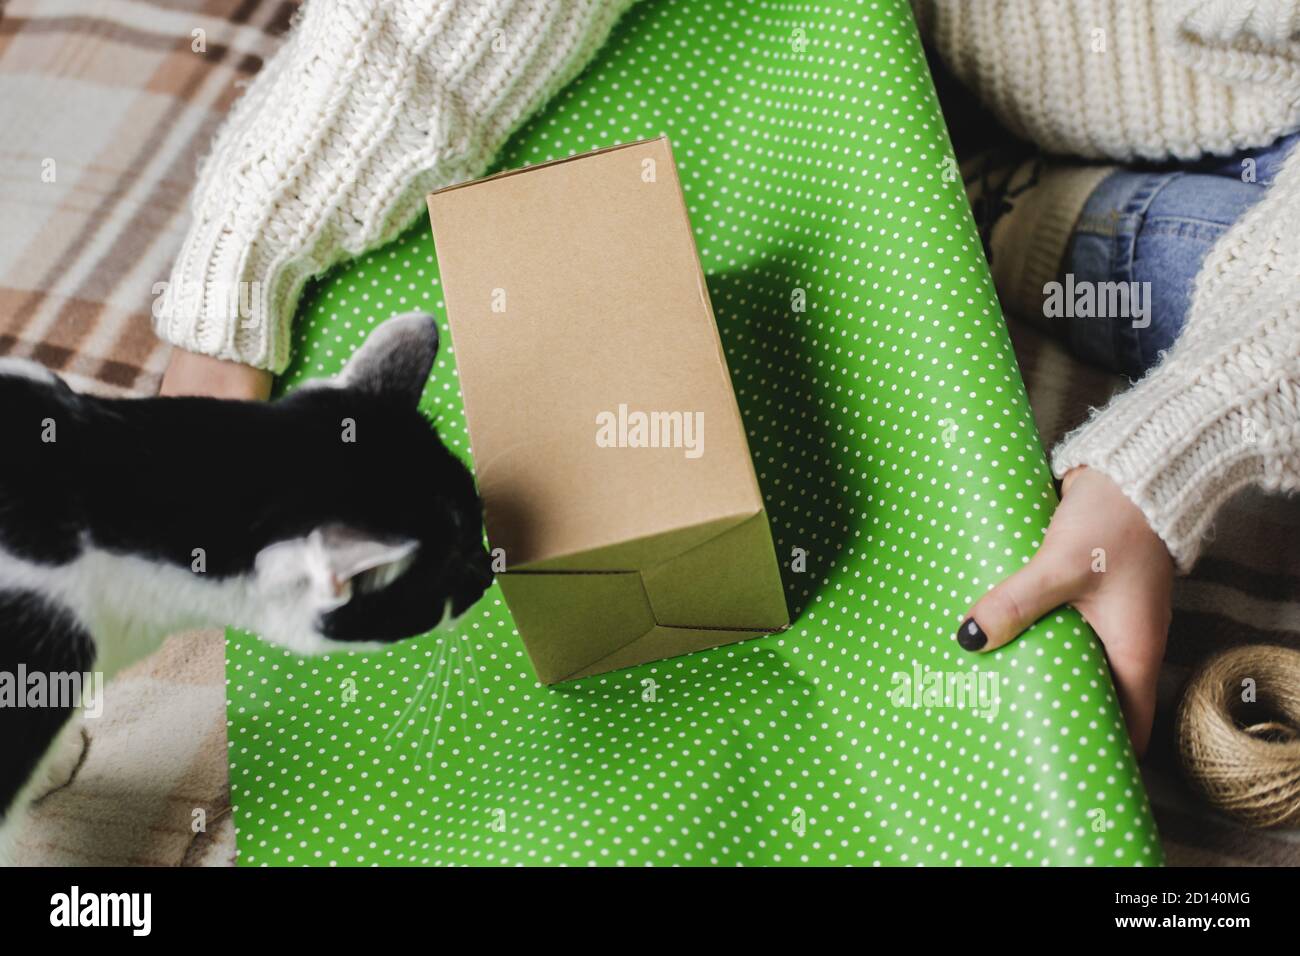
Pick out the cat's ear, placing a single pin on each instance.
(395, 359)
(332, 563)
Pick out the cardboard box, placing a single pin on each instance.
(608, 446)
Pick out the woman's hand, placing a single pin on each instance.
(1101, 556)
(191, 374)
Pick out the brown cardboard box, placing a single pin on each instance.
(607, 442)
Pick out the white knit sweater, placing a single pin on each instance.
(1222, 411)
(1127, 79)
(372, 103)
(368, 106)
(1175, 79)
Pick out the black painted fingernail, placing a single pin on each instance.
(970, 636)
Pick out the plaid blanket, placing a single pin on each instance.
(107, 106)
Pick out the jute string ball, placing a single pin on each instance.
(1239, 734)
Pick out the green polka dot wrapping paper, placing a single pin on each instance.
(902, 473)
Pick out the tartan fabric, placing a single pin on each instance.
(114, 93)
(107, 107)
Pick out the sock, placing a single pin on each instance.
(1026, 210)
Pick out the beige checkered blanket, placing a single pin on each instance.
(105, 109)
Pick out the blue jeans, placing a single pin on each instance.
(1155, 227)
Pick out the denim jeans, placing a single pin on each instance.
(1155, 227)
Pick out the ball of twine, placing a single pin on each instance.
(1244, 755)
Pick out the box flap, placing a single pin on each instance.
(569, 621)
(730, 581)
(580, 623)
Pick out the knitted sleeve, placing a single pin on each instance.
(1127, 79)
(1241, 40)
(369, 105)
(1222, 410)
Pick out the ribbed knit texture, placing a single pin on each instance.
(1175, 79)
(372, 103)
(1178, 79)
(1223, 409)
(369, 105)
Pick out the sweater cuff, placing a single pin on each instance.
(365, 109)
(230, 299)
(1183, 441)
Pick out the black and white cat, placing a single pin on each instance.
(331, 518)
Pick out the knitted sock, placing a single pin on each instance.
(1026, 210)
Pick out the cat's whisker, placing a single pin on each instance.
(442, 708)
(399, 725)
(460, 673)
(348, 567)
(429, 710)
(415, 697)
(467, 651)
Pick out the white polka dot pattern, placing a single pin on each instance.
(903, 475)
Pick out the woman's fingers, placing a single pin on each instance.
(1133, 634)
(999, 616)
(1127, 604)
(1135, 682)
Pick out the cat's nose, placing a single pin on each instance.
(480, 570)
(475, 578)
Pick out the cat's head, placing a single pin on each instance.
(401, 550)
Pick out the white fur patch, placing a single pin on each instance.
(129, 604)
(23, 368)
